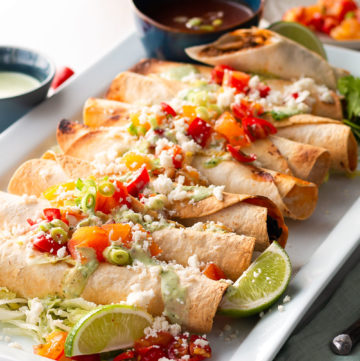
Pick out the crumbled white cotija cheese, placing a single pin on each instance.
(281, 308)
(160, 324)
(15, 345)
(254, 82)
(180, 179)
(29, 199)
(226, 97)
(177, 194)
(61, 252)
(257, 273)
(166, 160)
(148, 218)
(161, 144)
(218, 192)
(201, 342)
(286, 299)
(163, 184)
(193, 261)
(140, 298)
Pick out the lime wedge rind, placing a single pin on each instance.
(260, 286)
(107, 328)
(300, 34)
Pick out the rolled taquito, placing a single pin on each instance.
(110, 284)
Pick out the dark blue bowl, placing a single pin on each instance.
(164, 42)
(31, 63)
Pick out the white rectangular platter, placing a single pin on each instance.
(317, 247)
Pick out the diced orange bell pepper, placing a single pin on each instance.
(92, 237)
(154, 249)
(236, 79)
(135, 161)
(232, 130)
(189, 111)
(214, 272)
(54, 346)
(119, 232)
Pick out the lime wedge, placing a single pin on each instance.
(260, 285)
(300, 34)
(107, 328)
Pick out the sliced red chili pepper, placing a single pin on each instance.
(200, 131)
(62, 74)
(30, 221)
(45, 243)
(264, 90)
(166, 108)
(217, 74)
(257, 128)
(125, 356)
(197, 348)
(239, 155)
(52, 213)
(139, 183)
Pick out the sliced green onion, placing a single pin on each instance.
(215, 108)
(84, 223)
(202, 113)
(193, 22)
(44, 227)
(117, 255)
(154, 123)
(79, 184)
(217, 22)
(59, 223)
(107, 189)
(59, 235)
(206, 28)
(141, 129)
(88, 202)
(132, 130)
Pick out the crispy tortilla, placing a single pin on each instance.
(332, 135)
(273, 54)
(110, 284)
(294, 197)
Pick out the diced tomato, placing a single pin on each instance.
(232, 130)
(125, 356)
(295, 95)
(161, 339)
(237, 80)
(246, 109)
(214, 272)
(198, 350)
(45, 243)
(329, 24)
(264, 90)
(119, 231)
(62, 74)
(178, 348)
(139, 183)
(316, 22)
(200, 131)
(339, 9)
(54, 346)
(217, 74)
(94, 357)
(257, 128)
(92, 237)
(151, 353)
(52, 213)
(239, 155)
(167, 109)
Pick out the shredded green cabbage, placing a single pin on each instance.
(39, 317)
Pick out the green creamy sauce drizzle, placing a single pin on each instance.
(212, 162)
(136, 252)
(198, 192)
(179, 72)
(173, 295)
(76, 279)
